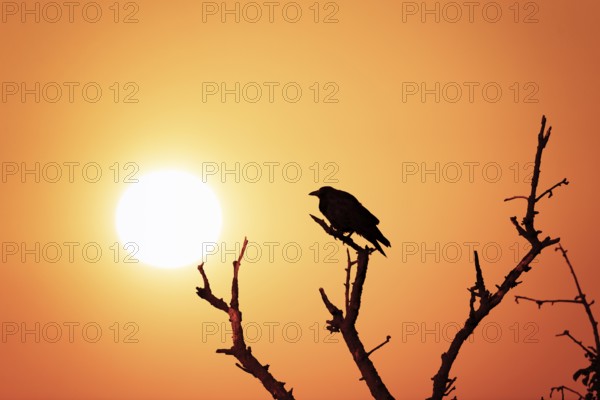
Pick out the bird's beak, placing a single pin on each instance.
(315, 193)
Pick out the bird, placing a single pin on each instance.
(346, 214)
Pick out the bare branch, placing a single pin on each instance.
(234, 283)
(522, 232)
(515, 197)
(580, 295)
(479, 290)
(357, 286)
(242, 368)
(479, 285)
(206, 294)
(589, 351)
(347, 284)
(540, 303)
(442, 384)
(346, 324)
(549, 191)
(562, 389)
(450, 387)
(387, 340)
(591, 373)
(334, 325)
(247, 362)
(338, 235)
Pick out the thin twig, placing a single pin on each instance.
(540, 303)
(588, 351)
(562, 389)
(549, 191)
(386, 341)
(516, 197)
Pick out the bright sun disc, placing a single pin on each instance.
(168, 215)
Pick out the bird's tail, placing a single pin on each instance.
(383, 239)
(378, 237)
(378, 247)
(375, 237)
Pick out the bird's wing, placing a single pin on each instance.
(367, 216)
(352, 209)
(341, 212)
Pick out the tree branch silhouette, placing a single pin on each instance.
(562, 390)
(247, 362)
(443, 385)
(589, 351)
(591, 374)
(346, 324)
(540, 303)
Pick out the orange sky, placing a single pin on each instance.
(362, 123)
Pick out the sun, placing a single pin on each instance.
(167, 216)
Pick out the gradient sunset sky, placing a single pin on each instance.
(426, 111)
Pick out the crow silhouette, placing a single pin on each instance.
(346, 214)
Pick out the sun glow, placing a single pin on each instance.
(168, 215)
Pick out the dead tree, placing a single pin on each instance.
(346, 323)
(590, 375)
(487, 300)
(247, 362)
(344, 320)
